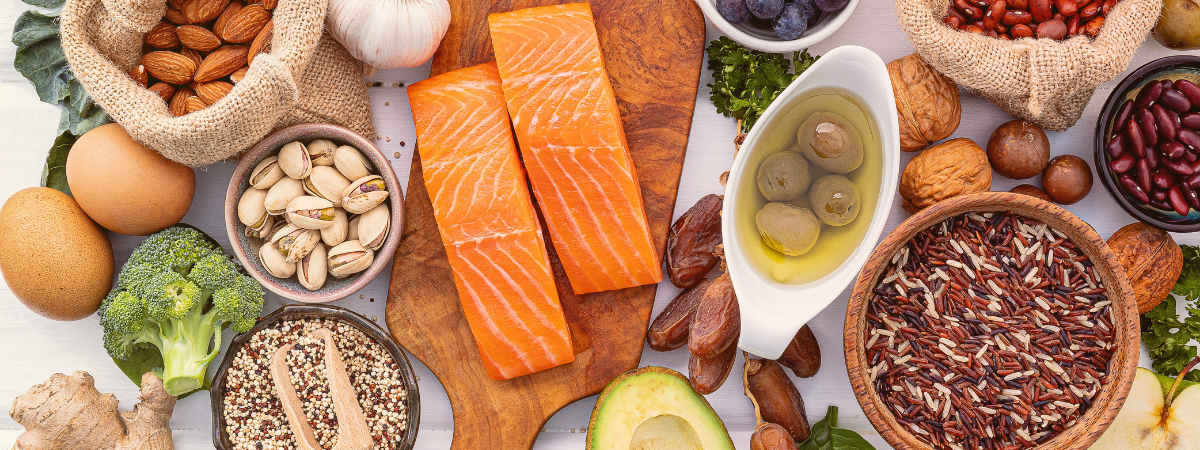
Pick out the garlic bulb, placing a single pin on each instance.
(387, 34)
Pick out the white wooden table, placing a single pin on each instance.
(32, 348)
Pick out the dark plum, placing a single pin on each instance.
(831, 5)
(809, 9)
(791, 23)
(735, 11)
(765, 9)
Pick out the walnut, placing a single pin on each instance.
(927, 103)
(1152, 261)
(955, 167)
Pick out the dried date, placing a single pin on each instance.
(717, 322)
(803, 354)
(771, 436)
(775, 398)
(692, 244)
(670, 329)
(708, 374)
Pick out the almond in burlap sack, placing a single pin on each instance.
(1043, 81)
(306, 77)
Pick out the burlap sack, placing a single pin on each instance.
(1043, 81)
(307, 77)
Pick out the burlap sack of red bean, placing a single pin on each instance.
(1044, 81)
(306, 77)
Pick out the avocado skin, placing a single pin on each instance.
(649, 392)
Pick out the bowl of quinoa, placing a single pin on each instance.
(992, 321)
(248, 414)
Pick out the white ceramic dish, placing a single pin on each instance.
(771, 311)
(766, 40)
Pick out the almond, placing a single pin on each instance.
(164, 90)
(193, 104)
(176, 16)
(269, 4)
(237, 76)
(218, 27)
(170, 67)
(192, 55)
(138, 73)
(245, 25)
(221, 62)
(202, 11)
(198, 38)
(178, 105)
(177, 4)
(212, 91)
(162, 37)
(262, 43)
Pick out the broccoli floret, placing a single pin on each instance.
(176, 294)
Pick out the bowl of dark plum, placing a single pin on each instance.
(1148, 143)
(778, 25)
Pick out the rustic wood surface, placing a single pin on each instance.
(654, 66)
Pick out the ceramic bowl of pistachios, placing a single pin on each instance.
(314, 212)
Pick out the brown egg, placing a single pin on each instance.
(1018, 149)
(125, 186)
(1067, 179)
(1032, 191)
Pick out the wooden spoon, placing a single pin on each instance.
(353, 432)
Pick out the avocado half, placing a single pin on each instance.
(659, 408)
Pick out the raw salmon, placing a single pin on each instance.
(565, 115)
(489, 227)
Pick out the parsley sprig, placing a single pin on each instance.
(745, 81)
(1168, 335)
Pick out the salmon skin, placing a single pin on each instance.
(565, 115)
(488, 224)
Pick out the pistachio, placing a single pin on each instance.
(252, 211)
(336, 234)
(320, 152)
(349, 258)
(274, 262)
(312, 213)
(327, 183)
(266, 173)
(263, 230)
(313, 268)
(294, 160)
(352, 230)
(373, 227)
(364, 194)
(351, 163)
(295, 242)
(281, 194)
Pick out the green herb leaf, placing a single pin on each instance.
(54, 174)
(1167, 335)
(827, 436)
(745, 81)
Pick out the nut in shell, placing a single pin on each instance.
(364, 194)
(1151, 259)
(927, 102)
(321, 152)
(349, 258)
(266, 173)
(295, 242)
(373, 227)
(252, 209)
(327, 183)
(294, 160)
(310, 213)
(275, 262)
(336, 233)
(312, 270)
(282, 193)
(262, 230)
(351, 163)
(352, 229)
(955, 167)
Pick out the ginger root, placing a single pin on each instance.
(68, 413)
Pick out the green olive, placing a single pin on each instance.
(788, 229)
(829, 141)
(835, 200)
(783, 176)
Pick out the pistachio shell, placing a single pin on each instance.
(295, 242)
(274, 262)
(352, 229)
(349, 258)
(252, 210)
(266, 173)
(264, 229)
(294, 160)
(320, 152)
(336, 233)
(351, 163)
(364, 194)
(311, 271)
(327, 183)
(281, 194)
(373, 227)
(313, 213)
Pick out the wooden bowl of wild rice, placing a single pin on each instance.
(992, 321)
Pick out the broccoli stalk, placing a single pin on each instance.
(176, 293)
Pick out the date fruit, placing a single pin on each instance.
(803, 354)
(771, 436)
(775, 398)
(708, 374)
(717, 322)
(693, 241)
(670, 329)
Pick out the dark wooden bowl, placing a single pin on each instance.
(1108, 400)
(289, 312)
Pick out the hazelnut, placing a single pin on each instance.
(927, 102)
(1067, 179)
(1151, 259)
(1018, 149)
(1032, 191)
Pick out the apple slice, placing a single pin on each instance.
(1156, 416)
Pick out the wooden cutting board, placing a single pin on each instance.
(653, 51)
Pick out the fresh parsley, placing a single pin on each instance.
(827, 436)
(1168, 335)
(746, 81)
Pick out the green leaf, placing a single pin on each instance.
(45, 3)
(745, 81)
(148, 360)
(54, 174)
(41, 60)
(827, 436)
(1167, 335)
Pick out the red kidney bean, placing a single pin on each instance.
(1166, 125)
(1175, 195)
(1178, 166)
(1191, 158)
(969, 9)
(1092, 28)
(1059, 16)
(1173, 150)
(1019, 31)
(972, 28)
(991, 33)
(1018, 4)
(1116, 146)
(1133, 189)
(1175, 100)
(1148, 94)
(1122, 164)
(1143, 175)
(1152, 159)
(1041, 10)
(1162, 179)
(1190, 120)
(954, 22)
(1161, 205)
(1067, 7)
(1090, 11)
(1123, 115)
(1194, 181)
(1192, 198)
(1107, 6)
(1166, 84)
(1133, 132)
(1145, 119)
(994, 13)
(1073, 26)
(1189, 89)
(1002, 30)
(1195, 166)
(955, 13)
(1053, 29)
(1016, 17)
(1190, 138)
(1159, 195)
(980, 3)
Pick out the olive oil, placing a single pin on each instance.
(834, 244)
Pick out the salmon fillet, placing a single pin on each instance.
(565, 115)
(488, 224)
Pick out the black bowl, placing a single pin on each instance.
(1169, 67)
(291, 312)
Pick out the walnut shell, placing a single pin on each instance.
(1152, 261)
(927, 102)
(955, 167)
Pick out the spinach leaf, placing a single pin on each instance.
(827, 436)
(54, 174)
